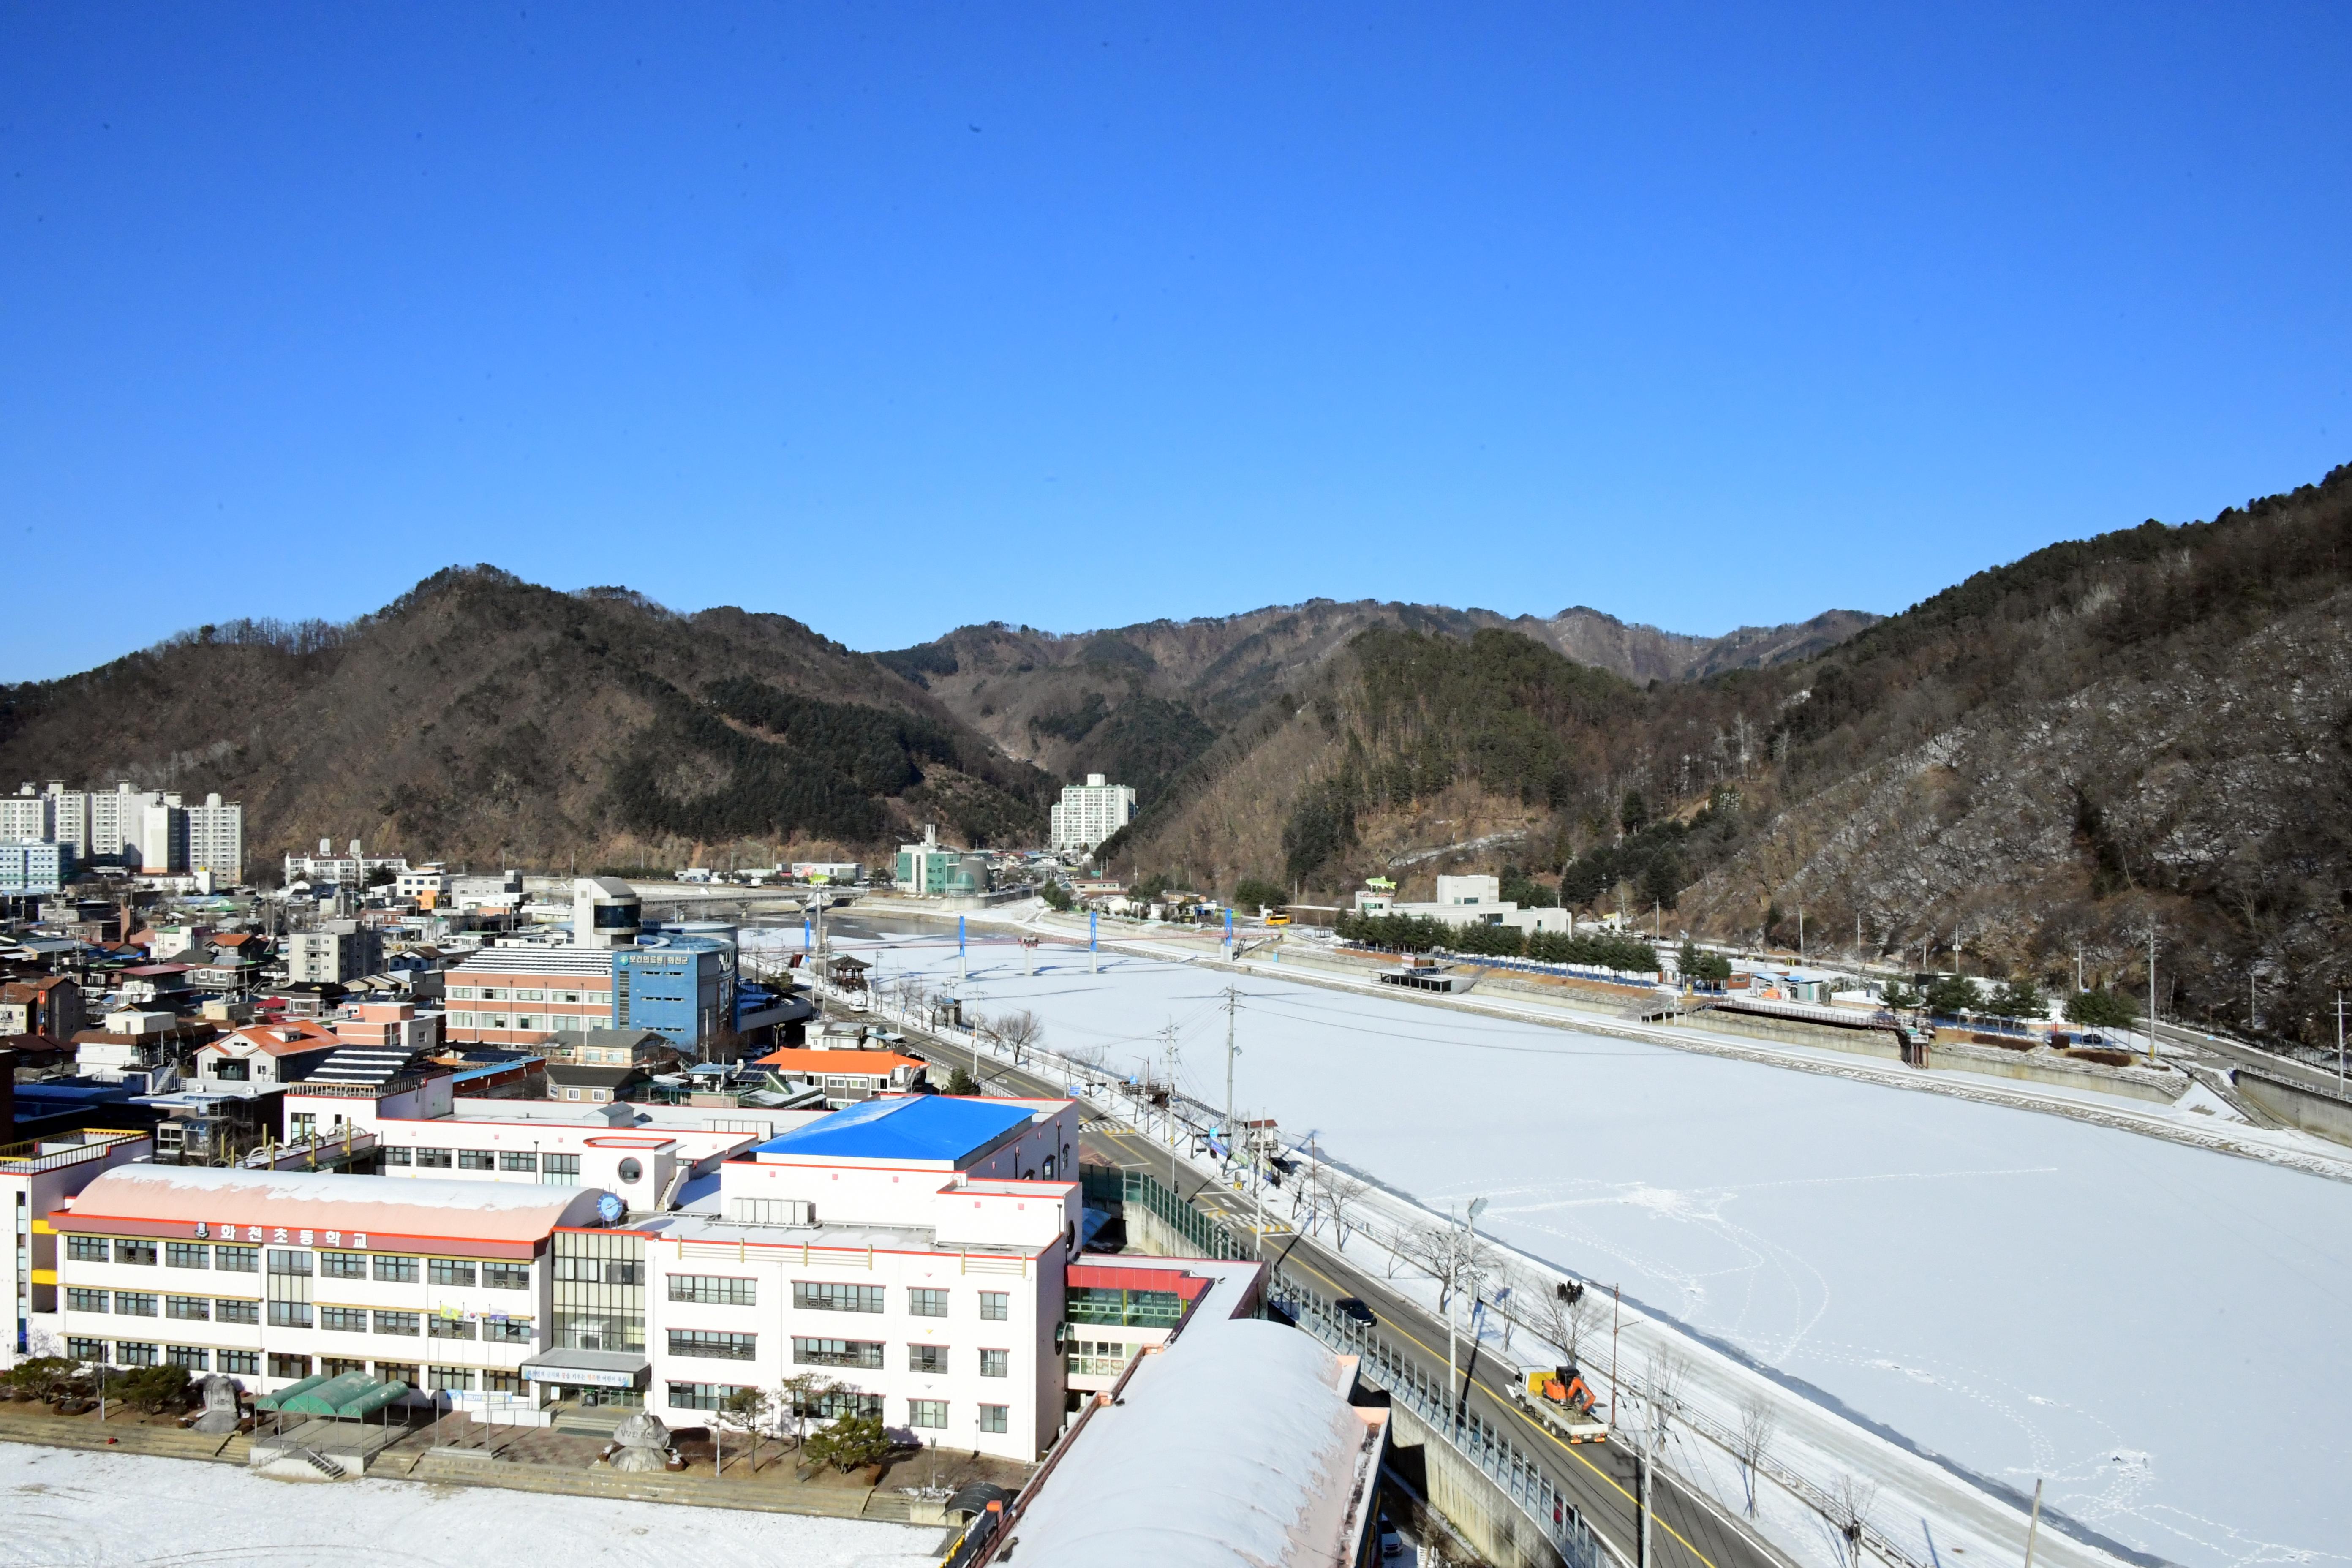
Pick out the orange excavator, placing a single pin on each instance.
(1563, 1400)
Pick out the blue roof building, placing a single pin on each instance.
(928, 1129)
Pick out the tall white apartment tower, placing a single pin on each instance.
(216, 840)
(28, 815)
(1091, 812)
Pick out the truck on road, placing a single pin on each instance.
(1560, 1397)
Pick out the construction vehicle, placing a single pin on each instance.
(1560, 1398)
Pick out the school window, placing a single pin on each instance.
(130, 1353)
(713, 1289)
(455, 1378)
(234, 1311)
(552, 1165)
(343, 1319)
(85, 1349)
(126, 1251)
(838, 1352)
(712, 1344)
(86, 1248)
(247, 1362)
(289, 1263)
(923, 1303)
(432, 1159)
(501, 1382)
(186, 1254)
(995, 1306)
(927, 1358)
(188, 1309)
(995, 1363)
(397, 1371)
(825, 1296)
(507, 1276)
(80, 1301)
(701, 1396)
(189, 1356)
(134, 1304)
(507, 1331)
(395, 1271)
(343, 1266)
(992, 1417)
(451, 1271)
(475, 1159)
(927, 1413)
(513, 1160)
(290, 1314)
(399, 1323)
(839, 1402)
(401, 1156)
(441, 1328)
(237, 1259)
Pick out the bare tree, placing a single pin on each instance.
(1022, 1031)
(1430, 1249)
(1341, 1190)
(1663, 1377)
(1757, 1421)
(1850, 1499)
(1563, 1312)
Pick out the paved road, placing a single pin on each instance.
(1599, 1478)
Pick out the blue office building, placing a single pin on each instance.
(682, 987)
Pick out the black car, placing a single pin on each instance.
(1353, 1306)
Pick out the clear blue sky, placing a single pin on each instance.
(893, 318)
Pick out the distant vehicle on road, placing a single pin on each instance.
(1353, 1306)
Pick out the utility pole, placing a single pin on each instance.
(1800, 934)
(2339, 1042)
(1233, 1004)
(2034, 1525)
(1170, 1034)
(2151, 993)
(2078, 969)
(1093, 942)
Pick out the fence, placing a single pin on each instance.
(1475, 1439)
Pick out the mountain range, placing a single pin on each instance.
(2146, 727)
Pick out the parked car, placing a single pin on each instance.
(1353, 1306)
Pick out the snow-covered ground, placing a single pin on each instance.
(2144, 1325)
(62, 1508)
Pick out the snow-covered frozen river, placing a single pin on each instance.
(2150, 1327)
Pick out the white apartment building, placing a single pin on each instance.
(103, 823)
(342, 951)
(28, 814)
(1091, 812)
(163, 836)
(215, 833)
(351, 870)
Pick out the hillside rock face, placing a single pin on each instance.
(2152, 727)
(484, 720)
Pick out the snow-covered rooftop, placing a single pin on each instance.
(323, 1202)
(1234, 1447)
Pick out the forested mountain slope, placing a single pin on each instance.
(2154, 724)
(1139, 703)
(484, 719)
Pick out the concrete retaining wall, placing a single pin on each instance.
(2313, 1111)
(1471, 1503)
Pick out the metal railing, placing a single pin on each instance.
(35, 1155)
(1502, 1461)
